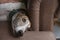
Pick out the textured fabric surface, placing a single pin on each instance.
(5, 9)
(47, 10)
(33, 14)
(5, 34)
(11, 6)
(39, 36)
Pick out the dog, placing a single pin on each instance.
(20, 22)
(16, 15)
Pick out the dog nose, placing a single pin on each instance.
(20, 33)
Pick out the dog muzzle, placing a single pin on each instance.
(20, 30)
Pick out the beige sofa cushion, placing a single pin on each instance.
(43, 35)
(39, 36)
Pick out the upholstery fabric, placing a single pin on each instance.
(47, 10)
(32, 35)
(33, 13)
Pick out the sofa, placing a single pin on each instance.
(29, 35)
(40, 13)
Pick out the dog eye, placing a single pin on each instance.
(24, 20)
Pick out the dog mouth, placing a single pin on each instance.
(19, 33)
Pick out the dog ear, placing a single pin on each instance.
(11, 14)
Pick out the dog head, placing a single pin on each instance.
(20, 23)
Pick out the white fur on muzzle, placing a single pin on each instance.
(5, 8)
(17, 27)
(23, 28)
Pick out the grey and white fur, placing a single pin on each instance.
(20, 23)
